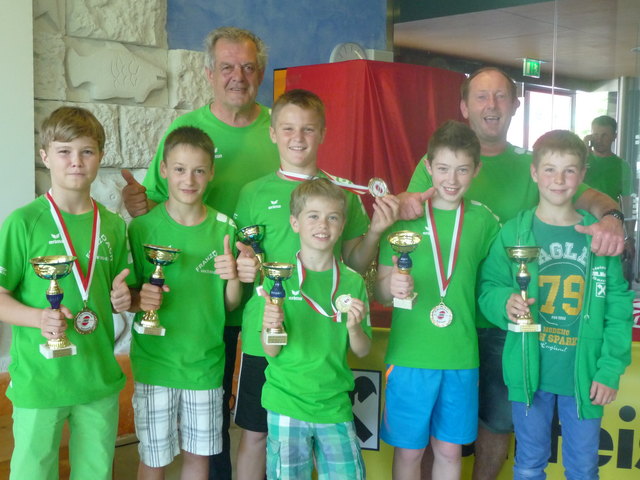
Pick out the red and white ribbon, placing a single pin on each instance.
(83, 281)
(335, 316)
(443, 282)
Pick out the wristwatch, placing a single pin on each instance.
(614, 213)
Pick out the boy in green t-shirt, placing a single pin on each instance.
(306, 393)
(432, 380)
(583, 305)
(178, 376)
(298, 129)
(81, 387)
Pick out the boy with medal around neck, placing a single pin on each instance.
(308, 381)
(178, 391)
(432, 378)
(298, 129)
(583, 305)
(82, 388)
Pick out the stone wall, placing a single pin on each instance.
(111, 57)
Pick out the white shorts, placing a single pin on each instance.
(161, 412)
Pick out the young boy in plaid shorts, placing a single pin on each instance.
(178, 375)
(308, 381)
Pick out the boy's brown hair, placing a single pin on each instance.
(559, 141)
(66, 124)
(191, 136)
(317, 187)
(457, 137)
(301, 98)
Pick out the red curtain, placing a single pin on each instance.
(380, 115)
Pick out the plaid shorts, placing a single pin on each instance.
(292, 444)
(161, 412)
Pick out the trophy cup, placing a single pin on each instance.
(52, 268)
(521, 256)
(276, 272)
(253, 235)
(404, 242)
(160, 257)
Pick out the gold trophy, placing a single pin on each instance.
(52, 268)
(276, 272)
(403, 243)
(521, 256)
(160, 257)
(253, 235)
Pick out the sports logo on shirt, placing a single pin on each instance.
(274, 204)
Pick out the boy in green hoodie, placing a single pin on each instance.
(584, 308)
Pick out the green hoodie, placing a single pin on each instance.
(604, 339)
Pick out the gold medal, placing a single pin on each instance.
(86, 321)
(441, 315)
(343, 303)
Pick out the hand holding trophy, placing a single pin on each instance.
(276, 272)
(521, 256)
(252, 235)
(160, 257)
(54, 267)
(404, 242)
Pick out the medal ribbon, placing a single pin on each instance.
(351, 187)
(83, 282)
(443, 283)
(336, 317)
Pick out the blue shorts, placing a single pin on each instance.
(421, 403)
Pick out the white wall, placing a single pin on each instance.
(17, 184)
(16, 101)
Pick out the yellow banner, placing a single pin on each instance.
(619, 437)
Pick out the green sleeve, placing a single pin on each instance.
(421, 180)
(616, 347)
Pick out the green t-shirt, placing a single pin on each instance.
(191, 353)
(92, 374)
(561, 283)
(610, 175)
(310, 379)
(414, 340)
(242, 154)
(503, 184)
(266, 202)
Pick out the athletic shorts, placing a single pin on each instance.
(421, 403)
(293, 444)
(494, 412)
(170, 419)
(249, 412)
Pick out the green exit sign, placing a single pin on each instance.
(531, 68)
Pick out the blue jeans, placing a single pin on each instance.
(580, 438)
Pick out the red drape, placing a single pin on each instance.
(380, 115)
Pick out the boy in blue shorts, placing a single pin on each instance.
(177, 399)
(298, 128)
(432, 379)
(306, 393)
(80, 388)
(583, 305)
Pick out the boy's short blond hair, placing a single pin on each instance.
(457, 137)
(66, 124)
(191, 136)
(317, 187)
(300, 98)
(559, 141)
